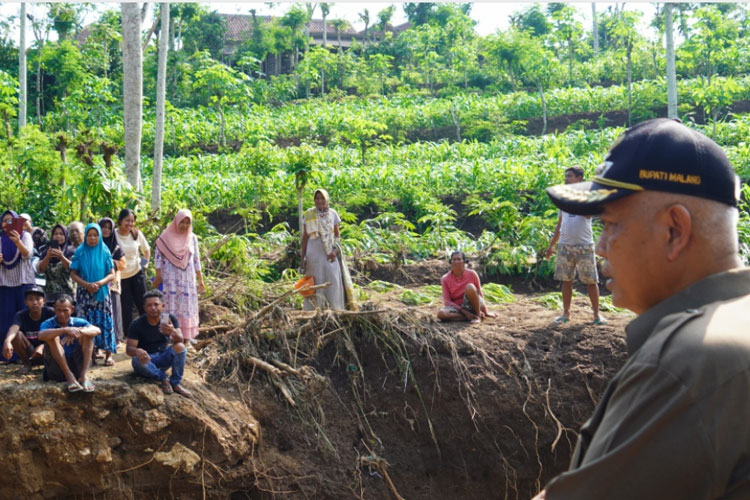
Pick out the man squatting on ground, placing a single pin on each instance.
(674, 422)
(148, 345)
(23, 335)
(69, 346)
(575, 252)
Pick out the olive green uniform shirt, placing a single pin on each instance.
(674, 423)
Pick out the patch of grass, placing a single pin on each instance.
(435, 290)
(415, 298)
(551, 300)
(382, 286)
(498, 294)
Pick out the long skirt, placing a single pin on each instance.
(98, 314)
(323, 271)
(181, 297)
(11, 301)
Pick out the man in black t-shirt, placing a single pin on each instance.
(23, 335)
(148, 344)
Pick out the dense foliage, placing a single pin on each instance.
(425, 137)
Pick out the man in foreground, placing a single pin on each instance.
(148, 344)
(23, 335)
(69, 345)
(673, 423)
(575, 253)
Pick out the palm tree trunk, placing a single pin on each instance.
(671, 72)
(161, 82)
(132, 83)
(595, 28)
(544, 107)
(630, 83)
(39, 92)
(223, 127)
(300, 209)
(325, 30)
(22, 70)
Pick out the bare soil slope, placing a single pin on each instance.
(305, 405)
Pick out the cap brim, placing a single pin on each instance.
(584, 198)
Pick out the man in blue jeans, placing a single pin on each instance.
(148, 345)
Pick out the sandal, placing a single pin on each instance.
(88, 386)
(74, 387)
(166, 387)
(600, 321)
(109, 362)
(561, 319)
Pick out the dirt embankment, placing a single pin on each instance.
(126, 440)
(331, 406)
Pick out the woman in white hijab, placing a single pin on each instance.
(322, 257)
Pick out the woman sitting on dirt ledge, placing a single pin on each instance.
(462, 293)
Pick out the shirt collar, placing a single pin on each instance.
(70, 322)
(715, 288)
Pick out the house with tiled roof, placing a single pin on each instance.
(239, 27)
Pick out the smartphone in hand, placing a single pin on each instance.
(16, 225)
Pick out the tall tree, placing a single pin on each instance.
(624, 35)
(220, 86)
(364, 16)
(340, 25)
(567, 30)
(65, 18)
(310, 9)
(595, 28)
(22, 70)
(205, 29)
(325, 9)
(712, 45)
(540, 68)
(295, 19)
(132, 91)
(532, 20)
(671, 72)
(419, 13)
(161, 86)
(384, 18)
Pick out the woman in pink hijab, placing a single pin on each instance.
(178, 269)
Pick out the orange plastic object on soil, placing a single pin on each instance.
(304, 281)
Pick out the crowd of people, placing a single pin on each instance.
(68, 298)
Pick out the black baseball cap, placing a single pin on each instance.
(33, 289)
(656, 155)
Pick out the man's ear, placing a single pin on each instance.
(680, 230)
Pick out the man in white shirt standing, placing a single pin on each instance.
(575, 252)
